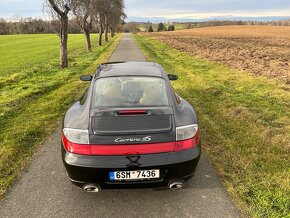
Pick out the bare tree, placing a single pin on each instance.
(100, 8)
(116, 16)
(83, 11)
(110, 14)
(59, 9)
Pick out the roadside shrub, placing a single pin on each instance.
(150, 30)
(171, 28)
(160, 27)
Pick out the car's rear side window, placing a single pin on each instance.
(130, 92)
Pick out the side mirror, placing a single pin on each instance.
(172, 77)
(86, 78)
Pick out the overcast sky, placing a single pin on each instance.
(167, 8)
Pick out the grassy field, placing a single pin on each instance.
(245, 126)
(262, 50)
(35, 92)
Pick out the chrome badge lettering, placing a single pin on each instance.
(146, 139)
(123, 140)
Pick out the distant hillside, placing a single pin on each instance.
(144, 26)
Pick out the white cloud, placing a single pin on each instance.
(206, 8)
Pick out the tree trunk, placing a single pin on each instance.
(106, 28)
(88, 40)
(63, 42)
(112, 32)
(101, 31)
(106, 33)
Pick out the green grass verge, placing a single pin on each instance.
(244, 123)
(33, 99)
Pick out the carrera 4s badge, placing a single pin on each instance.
(122, 140)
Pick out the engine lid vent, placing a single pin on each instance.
(128, 124)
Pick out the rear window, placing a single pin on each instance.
(130, 92)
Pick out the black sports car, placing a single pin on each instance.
(130, 130)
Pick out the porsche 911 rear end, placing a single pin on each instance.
(130, 132)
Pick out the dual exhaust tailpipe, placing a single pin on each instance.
(95, 188)
(92, 188)
(175, 184)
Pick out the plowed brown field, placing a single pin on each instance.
(262, 50)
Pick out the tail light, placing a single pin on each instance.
(186, 137)
(76, 141)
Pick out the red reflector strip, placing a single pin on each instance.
(130, 112)
(132, 149)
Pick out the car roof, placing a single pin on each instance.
(112, 69)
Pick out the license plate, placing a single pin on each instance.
(134, 175)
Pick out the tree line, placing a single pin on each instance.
(212, 23)
(161, 27)
(106, 15)
(31, 25)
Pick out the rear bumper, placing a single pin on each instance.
(82, 169)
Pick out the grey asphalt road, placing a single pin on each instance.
(43, 190)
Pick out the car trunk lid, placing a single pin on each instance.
(131, 121)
